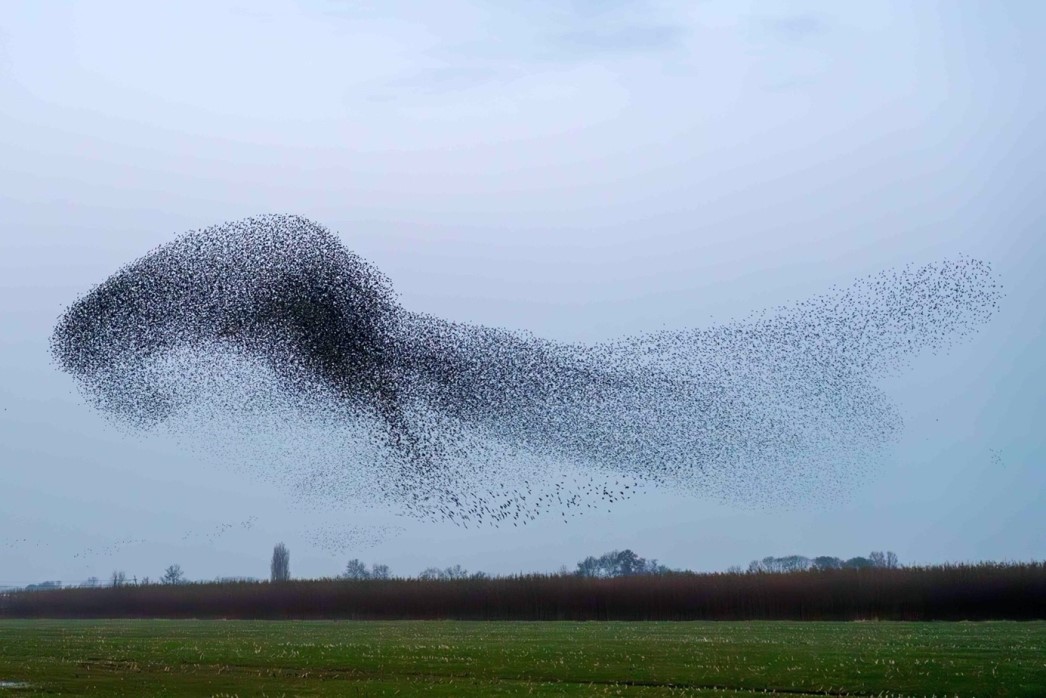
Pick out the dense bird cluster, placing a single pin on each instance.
(271, 338)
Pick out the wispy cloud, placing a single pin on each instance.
(469, 45)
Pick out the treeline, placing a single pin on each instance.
(616, 563)
(948, 592)
(800, 563)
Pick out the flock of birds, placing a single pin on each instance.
(996, 458)
(216, 532)
(268, 338)
(109, 549)
(342, 539)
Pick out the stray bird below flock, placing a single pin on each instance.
(267, 326)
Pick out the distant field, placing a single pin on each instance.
(455, 658)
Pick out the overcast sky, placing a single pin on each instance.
(581, 170)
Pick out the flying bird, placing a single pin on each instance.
(457, 417)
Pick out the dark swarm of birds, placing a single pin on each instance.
(268, 337)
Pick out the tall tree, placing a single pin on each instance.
(281, 563)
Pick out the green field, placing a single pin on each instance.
(247, 658)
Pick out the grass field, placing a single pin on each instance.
(452, 658)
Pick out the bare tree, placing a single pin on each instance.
(887, 560)
(118, 578)
(281, 563)
(380, 572)
(430, 573)
(618, 563)
(455, 572)
(355, 569)
(172, 575)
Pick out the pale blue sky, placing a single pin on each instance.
(579, 170)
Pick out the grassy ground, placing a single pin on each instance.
(247, 658)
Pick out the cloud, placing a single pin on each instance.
(463, 46)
